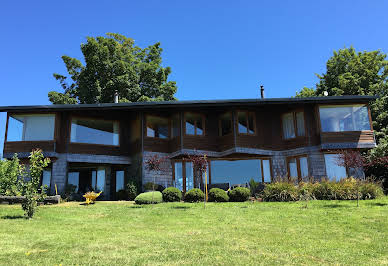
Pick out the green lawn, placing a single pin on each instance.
(117, 233)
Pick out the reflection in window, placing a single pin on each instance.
(226, 124)
(189, 176)
(176, 126)
(194, 124)
(46, 178)
(246, 121)
(293, 125)
(157, 127)
(178, 176)
(100, 179)
(344, 118)
(30, 127)
(119, 180)
(94, 131)
(300, 123)
(73, 179)
(298, 167)
(333, 170)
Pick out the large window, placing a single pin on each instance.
(333, 170)
(184, 176)
(298, 167)
(94, 131)
(157, 127)
(119, 180)
(31, 127)
(293, 125)
(239, 172)
(246, 122)
(176, 126)
(46, 179)
(194, 124)
(226, 124)
(344, 118)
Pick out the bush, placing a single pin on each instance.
(280, 191)
(121, 195)
(218, 195)
(131, 190)
(239, 194)
(149, 198)
(194, 195)
(150, 186)
(172, 194)
(371, 190)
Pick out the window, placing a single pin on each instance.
(73, 179)
(246, 122)
(239, 172)
(344, 118)
(293, 125)
(178, 174)
(184, 176)
(30, 127)
(157, 127)
(46, 178)
(298, 167)
(176, 126)
(333, 170)
(195, 124)
(94, 131)
(226, 124)
(119, 180)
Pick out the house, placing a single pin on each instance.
(101, 146)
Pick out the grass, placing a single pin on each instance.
(116, 233)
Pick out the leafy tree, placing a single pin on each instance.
(10, 171)
(306, 92)
(114, 63)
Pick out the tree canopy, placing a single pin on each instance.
(114, 63)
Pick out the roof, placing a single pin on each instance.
(198, 103)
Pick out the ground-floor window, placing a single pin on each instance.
(119, 180)
(184, 176)
(87, 179)
(46, 178)
(333, 170)
(297, 167)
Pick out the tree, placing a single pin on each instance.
(200, 164)
(114, 63)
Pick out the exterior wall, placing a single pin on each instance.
(59, 174)
(162, 177)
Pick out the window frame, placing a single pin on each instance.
(319, 123)
(95, 118)
(220, 124)
(324, 159)
(169, 125)
(295, 122)
(203, 118)
(247, 112)
(297, 158)
(56, 123)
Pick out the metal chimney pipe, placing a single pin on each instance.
(262, 91)
(116, 97)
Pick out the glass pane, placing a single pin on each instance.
(15, 128)
(300, 123)
(333, 170)
(293, 167)
(199, 126)
(46, 179)
(100, 180)
(94, 180)
(190, 124)
(119, 180)
(235, 172)
(189, 176)
(73, 179)
(176, 125)
(304, 170)
(288, 126)
(242, 122)
(157, 127)
(226, 124)
(251, 123)
(178, 176)
(207, 175)
(267, 171)
(344, 118)
(94, 131)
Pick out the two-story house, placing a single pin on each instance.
(101, 146)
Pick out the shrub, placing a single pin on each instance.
(131, 190)
(280, 191)
(172, 194)
(122, 194)
(253, 185)
(194, 195)
(218, 195)
(150, 186)
(239, 194)
(371, 190)
(149, 198)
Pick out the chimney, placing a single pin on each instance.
(116, 98)
(262, 91)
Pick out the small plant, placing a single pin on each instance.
(122, 194)
(91, 197)
(131, 190)
(149, 198)
(280, 191)
(194, 195)
(218, 195)
(253, 185)
(172, 194)
(239, 194)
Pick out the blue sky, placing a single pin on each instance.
(216, 49)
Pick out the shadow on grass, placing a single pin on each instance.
(135, 207)
(12, 217)
(180, 207)
(378, 204)
(333, 206)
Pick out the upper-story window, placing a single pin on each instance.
(36, 127)
(246, 122)
(344, 118)
(194, 124)
(226, 124)
(157, 127)
(175, 125)
(293, 125)
(94, 131)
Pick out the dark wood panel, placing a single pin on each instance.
(95, 149)
(208, 143)
(225, 142)
(350, 136)
(28, 146)
(156, 144)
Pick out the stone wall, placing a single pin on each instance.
(59, 174)
(162, 177)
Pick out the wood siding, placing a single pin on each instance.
(28, 146)
(350, 136)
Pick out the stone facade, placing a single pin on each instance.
(162, 177)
